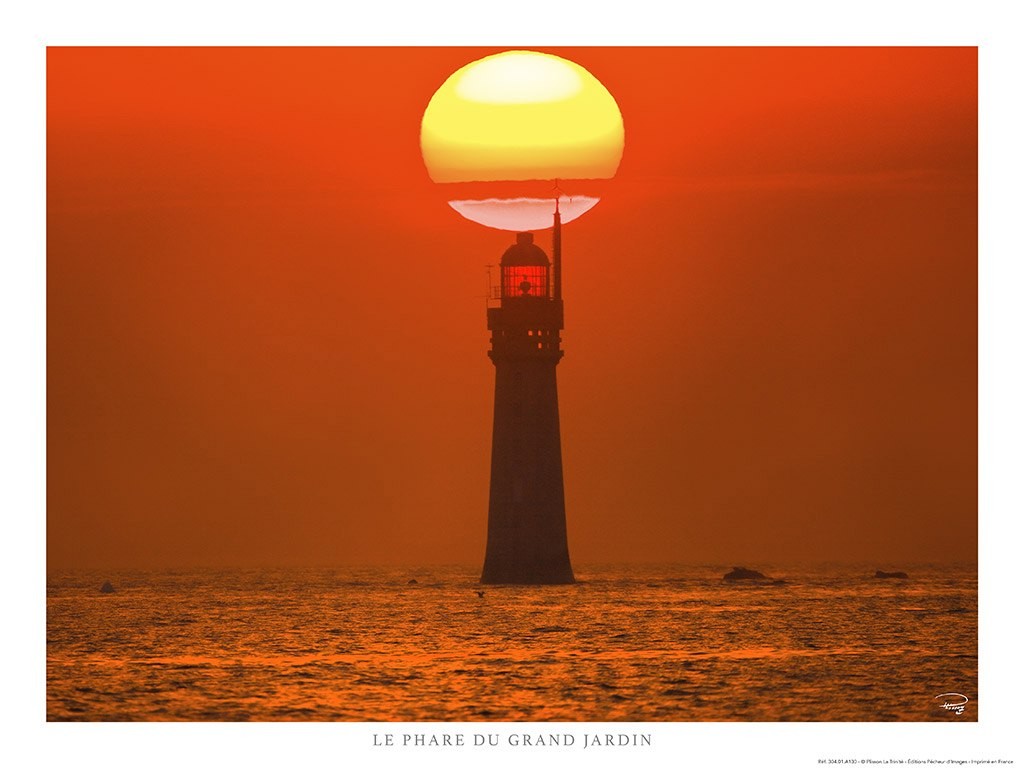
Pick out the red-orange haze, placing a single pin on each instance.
(266, 330)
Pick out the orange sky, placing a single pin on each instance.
(266, 330)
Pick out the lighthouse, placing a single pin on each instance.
(526, 532)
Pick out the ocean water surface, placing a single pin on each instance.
(626, 643)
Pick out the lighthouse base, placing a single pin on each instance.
(559, 572)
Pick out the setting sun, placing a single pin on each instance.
(520, 116)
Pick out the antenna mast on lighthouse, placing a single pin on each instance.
(556, 248)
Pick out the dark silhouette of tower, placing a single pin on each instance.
(526, 536)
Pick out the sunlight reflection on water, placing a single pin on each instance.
(639, 643)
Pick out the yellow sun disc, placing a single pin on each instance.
(521, 115)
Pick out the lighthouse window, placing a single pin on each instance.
(517, 281)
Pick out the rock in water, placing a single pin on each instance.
(107, 588)
(891, 575)
(738, 573)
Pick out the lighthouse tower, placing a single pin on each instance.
(526, 535)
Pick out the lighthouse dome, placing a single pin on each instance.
(525, 253)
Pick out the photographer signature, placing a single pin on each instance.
(953, 702)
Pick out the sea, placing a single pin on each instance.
(637, 643)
